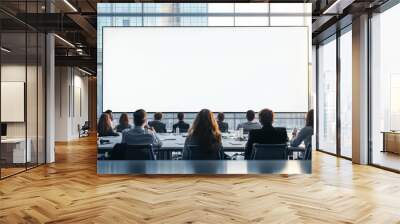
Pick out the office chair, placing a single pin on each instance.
(122, 151)
(269, 152)
(84, 129)
(197, 153)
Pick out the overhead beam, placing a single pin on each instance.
(86, 26)
(76, 61)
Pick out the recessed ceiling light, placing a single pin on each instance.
(84, 71)
(70, 5)
(5, 50)
(64, 40)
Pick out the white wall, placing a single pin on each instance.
(71, 102)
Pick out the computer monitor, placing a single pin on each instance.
(3, 130)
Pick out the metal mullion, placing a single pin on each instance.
(45, 89)
(338, 93)
(317, 97)
(369, 90)
(37, 91)
(26, 87)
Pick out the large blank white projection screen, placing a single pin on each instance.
(185, 69)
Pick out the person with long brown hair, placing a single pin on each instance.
(104, 127)
(205, 136)
(305, 133)
(123, 123)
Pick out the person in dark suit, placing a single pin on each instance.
(223, 126)
(267, 134)
(182, 125)
(157, 125)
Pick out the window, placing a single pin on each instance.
(385, 88)
(327, 96)
(346, 94)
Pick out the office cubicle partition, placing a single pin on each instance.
(22, 77)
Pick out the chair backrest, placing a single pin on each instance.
(269, 152)
(86, 125)
(124, 151)
(195, 152)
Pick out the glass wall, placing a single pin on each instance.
(327, 95)
(346, 93)
(22, 79)
(335, 94)
(385, 89)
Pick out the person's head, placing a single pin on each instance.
(124, 120)
(109, 112)
(205, 128)
(104, 123)
(139, 117)
(250, 115)
(181, 116)
(158, 116)
(310, 118)
(221, 116)
(266, 117)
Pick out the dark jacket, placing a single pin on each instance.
(158, 126)
(183, 127)
(265, 135)
(109, 132)
(223, 126)
(122, 127)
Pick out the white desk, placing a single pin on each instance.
(16, 147)
(172, 142)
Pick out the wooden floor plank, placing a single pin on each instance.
(70, 191)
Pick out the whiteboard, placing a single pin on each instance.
(12, 101)
(229, 69)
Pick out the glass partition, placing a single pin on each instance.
(327, 96)
(22, 64)
(346, 93)
(385, 89)
(15, 147)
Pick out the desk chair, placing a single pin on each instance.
(122, 151)
(269, 152)
(84, 129)
(196, 153)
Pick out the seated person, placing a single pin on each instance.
(305, 133)
(267, 134)
(251, 124)
(104, 127)
(157, 125)
(206, 135)
(123, 123)
(140, 134)
(223, 126)
(183, 126)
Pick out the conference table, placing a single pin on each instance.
(171, 142)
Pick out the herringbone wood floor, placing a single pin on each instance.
(70, 191)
